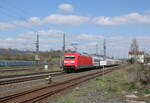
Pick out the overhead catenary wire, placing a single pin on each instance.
(6, 12)
(17, 13)
(21, 11)
(12, 7)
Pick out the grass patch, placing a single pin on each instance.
(115, 83)
(95, 89)
(145, 91)
(110, 90)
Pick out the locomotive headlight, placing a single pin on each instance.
(66, 61)
(69, 61)
(72, 61)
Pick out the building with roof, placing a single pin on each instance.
(139, 56)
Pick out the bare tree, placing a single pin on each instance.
(134, 48)
(134, 45)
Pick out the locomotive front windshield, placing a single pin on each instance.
(69, 57)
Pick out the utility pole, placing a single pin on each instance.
(64, 43)
(104, 47)
(63, 50)
(96, 49)
(74, 45)
(37, 49)
(37, 44)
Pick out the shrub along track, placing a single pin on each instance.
(40, 93)
(27, 77)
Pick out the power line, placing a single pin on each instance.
(12, 7)
(3, 11)
(6, 13)
(21, 11)
(13, 14)
(9, 14)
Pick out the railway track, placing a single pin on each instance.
(40, 93)
(13, 69)
(27, 77)
(29, 74)
(10, 70)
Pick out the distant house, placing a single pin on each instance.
(139, 56)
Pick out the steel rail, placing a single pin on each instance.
(28, 74)
(37, 94)
(28, 78)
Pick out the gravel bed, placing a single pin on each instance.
(95, 91)
(28, 84)
(20, 86)
(16, 87)
(30, 70)
(86, 92)
(78, 95)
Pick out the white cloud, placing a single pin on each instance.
(66, 7)
(147, 11)
(42, 33)
(92, 44)
(50, 32)
(26, 41)
(70, 20)
(5, 26)
(54, 19)
(75, 20)
(132, 18)
(88, 37)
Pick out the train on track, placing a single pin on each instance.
(74, 61)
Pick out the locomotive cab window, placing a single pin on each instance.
(69, 57)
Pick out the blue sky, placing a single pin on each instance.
(93, 20)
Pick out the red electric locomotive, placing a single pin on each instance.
(75, 61)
